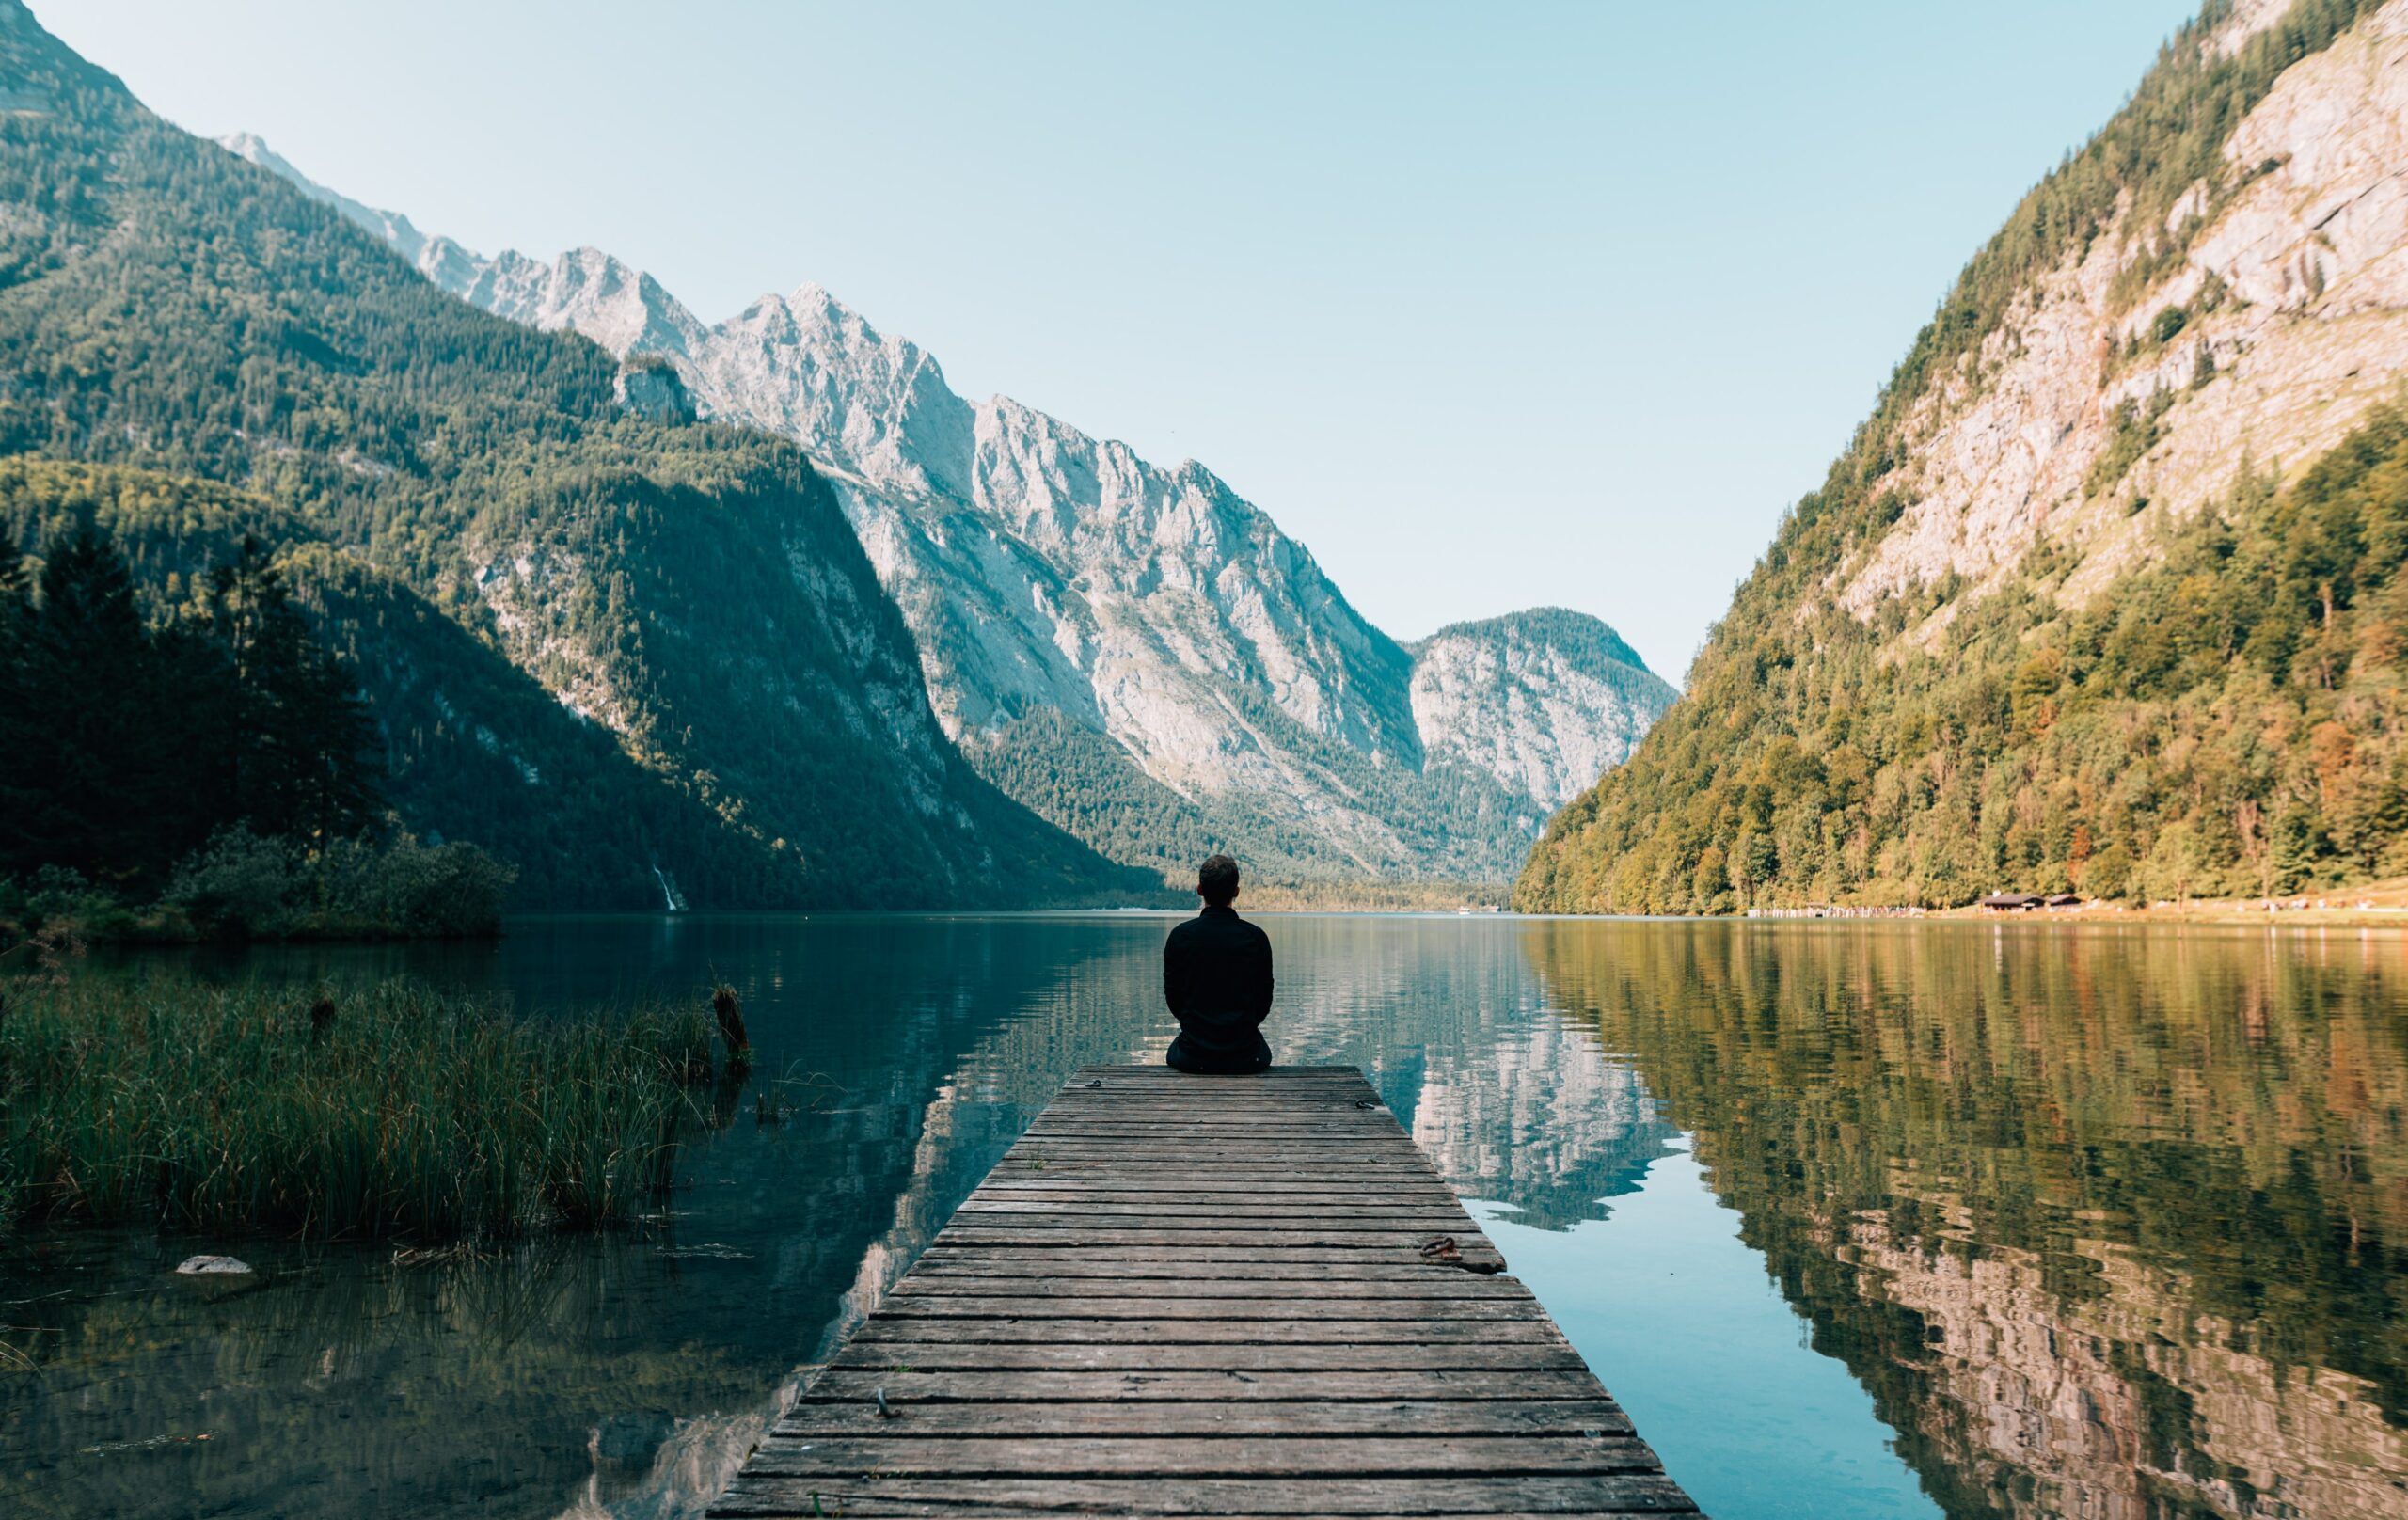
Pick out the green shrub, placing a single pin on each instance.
(244, 886)
(240, 885)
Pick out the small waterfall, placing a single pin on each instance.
(671, 898)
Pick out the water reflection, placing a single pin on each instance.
(2110, 1224)
(628, 1377)
(2106, 1226)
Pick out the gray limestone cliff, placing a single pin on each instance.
(1137, 654)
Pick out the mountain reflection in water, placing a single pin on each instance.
(2100, 1223)
(2111, 1224)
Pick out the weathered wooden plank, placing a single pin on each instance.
(1291, 1106)
(1321, 1330)
(1419, 1201)
(1360, 1128)
(1085, 1166)
(1212, 1158)
(1270, 1167)
(1374, 1126)
(1015, 1283)
(1321, 1418)
(1150, 1160)
(1309, 1101)
(1333, 1108)
(1473, 1252)
(1406, 1240)
(904, 1455)
(1021, 1251)
(1282, 1190)
(1270, 1157)
(1426, 1221)
(1145, 1182)
(1219, 1207)
(1004, 1229)
(1304, 1266)
(1120, 1077)
(1134, 1110)
(1231, 1138)
(1134, 1356)
(1231, 1143)
(1094, 1171)
(1083, 1207)
(879, 1498)
(1163, 1307)
(1272, 1085)
(1303, 1390)
(1226, 1180)
(1145, 1177)
(1012, 1211)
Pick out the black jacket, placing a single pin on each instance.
(1216, 977)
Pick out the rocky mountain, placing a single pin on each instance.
(2104, 595)
(1545, 701)
(646, 659)
(1137, 654)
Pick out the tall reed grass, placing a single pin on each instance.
(399, 1111)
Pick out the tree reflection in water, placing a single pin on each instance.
(2112, 1224)
(2109, 1224)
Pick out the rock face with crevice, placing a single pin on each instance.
(1062, 590)
(2280, 317)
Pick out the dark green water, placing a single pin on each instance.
(1858, 1219)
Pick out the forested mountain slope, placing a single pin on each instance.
(1140, 654)
(2104, 595)
(469, 743)
(689, 598)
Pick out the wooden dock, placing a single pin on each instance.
(1180, 1295)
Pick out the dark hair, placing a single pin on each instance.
(1216, 880)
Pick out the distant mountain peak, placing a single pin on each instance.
(394, 227)
(1044, 570)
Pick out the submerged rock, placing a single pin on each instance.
(213, 1266)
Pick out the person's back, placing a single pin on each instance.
(1216, 977)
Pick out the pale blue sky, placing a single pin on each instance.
(1493, 306)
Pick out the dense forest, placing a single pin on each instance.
(459, 496)
(441, 699)
(210, 762)
(2226, 721)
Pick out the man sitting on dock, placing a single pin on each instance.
(1216, 977)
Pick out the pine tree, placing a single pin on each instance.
(16, 707)
(300, 759)
(92, 769)
(2294, 848)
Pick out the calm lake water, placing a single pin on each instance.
(1857, 1220)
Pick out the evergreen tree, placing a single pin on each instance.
(123, 749)
(91, 770)
(299, 764)
(16, 707)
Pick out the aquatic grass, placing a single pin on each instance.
(408, 1112)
